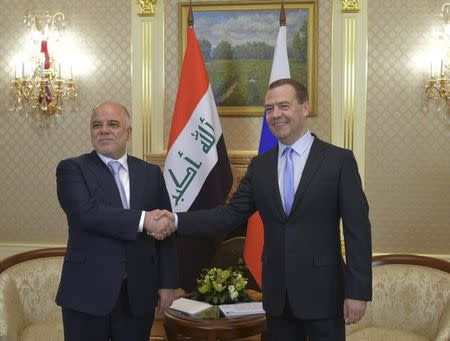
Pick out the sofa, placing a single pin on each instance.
(411, 301)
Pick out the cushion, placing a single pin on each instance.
(46, 330)
(384, 334)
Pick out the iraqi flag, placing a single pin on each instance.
(254, 240)
(197, 170)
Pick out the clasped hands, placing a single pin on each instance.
(160, 224)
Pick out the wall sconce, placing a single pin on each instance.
(437, 95)
(39, 88)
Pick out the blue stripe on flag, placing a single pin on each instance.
(267, 140)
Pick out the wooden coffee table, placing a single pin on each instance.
(179, 325)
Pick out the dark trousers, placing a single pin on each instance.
(289, 328)
(119, 325)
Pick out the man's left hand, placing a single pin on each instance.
(354, 310)
(166, 297)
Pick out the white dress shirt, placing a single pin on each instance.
(124, 177)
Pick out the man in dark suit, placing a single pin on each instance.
(114, 270)
(301, 188)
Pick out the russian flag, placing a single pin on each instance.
(254, 240)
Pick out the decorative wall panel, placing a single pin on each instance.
(29, 211)
(408, 151)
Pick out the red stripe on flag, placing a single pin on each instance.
(254, 242)
(193, 86)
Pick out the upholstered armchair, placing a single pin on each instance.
(28, 284)
(411, 301)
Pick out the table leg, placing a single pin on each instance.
(170, 333)
(211, 337)
(263, 336)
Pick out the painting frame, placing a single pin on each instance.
(311, 8)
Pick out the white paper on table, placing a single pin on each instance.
(189, 306)
(239, 309)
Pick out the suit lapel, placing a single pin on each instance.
(312, 164)
(273, 174)
(136, 189)
(104, 178)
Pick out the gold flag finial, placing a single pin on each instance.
(190, 15)
(282, 15)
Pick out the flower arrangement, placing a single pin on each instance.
(217, 286)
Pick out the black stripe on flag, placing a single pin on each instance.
(195, 253)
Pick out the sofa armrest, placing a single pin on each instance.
(11, 311)
(443, 330)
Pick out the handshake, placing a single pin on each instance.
(160, 224)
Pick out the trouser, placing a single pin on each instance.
(289, 328)
(119, 325)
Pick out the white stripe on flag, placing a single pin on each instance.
(193, 154)
(280, 65)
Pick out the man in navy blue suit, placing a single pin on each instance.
(115, 273)
(302, 189)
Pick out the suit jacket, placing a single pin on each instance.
(104, 244)
(302, 252)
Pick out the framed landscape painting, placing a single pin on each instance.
(237, 40)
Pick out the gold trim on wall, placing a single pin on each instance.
(146, 105)
(349, 81)
(146, 7)
(147, 69)
(350, 6)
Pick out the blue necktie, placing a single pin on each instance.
(114, 167)
(288, 181)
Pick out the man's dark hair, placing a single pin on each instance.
(300, 90)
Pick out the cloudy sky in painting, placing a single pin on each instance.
(240, 27)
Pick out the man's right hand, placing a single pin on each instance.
(159, 224)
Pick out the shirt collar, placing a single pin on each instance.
(123, 160)
(299, 146)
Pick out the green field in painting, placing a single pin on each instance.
(244, 82)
